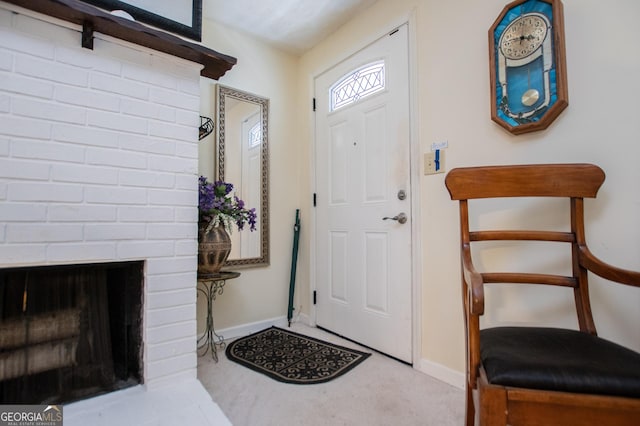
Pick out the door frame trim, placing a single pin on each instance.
(414, 164)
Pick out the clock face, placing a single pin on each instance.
(523, 36)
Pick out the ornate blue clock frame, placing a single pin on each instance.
(528, 65)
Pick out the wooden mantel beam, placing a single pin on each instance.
(215, 64)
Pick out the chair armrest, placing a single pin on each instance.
(623, 276)
(475, 283)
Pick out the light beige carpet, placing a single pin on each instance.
(380, 391)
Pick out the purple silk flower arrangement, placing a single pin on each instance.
(217, 206)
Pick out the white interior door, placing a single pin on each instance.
(363, 262)
(251, 178)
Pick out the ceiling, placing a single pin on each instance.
(291, 25)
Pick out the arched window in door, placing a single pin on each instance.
(255, 135)
(357, 84)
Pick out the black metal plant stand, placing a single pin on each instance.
(211, 285)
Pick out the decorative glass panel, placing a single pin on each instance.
(358, 84)
(255, 135)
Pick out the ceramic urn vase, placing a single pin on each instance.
(213, 248)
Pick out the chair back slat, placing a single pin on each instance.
(548, 180)
(565, 237)
(528, 278)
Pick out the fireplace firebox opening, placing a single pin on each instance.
(69, 332)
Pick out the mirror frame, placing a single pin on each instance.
(222, 92)
(168, 23)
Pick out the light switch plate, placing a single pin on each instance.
(434, 162)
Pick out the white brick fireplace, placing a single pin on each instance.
(98, 163)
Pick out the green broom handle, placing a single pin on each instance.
(294, 260)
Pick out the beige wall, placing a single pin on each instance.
(451, 90)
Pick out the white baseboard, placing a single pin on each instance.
(442, 373)
(254, 327)
(303, 319)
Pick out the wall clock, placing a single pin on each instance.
(528, 65)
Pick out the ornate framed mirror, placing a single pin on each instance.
(242, 154)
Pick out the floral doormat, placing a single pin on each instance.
(293, 358)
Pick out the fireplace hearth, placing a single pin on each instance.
(69, 332)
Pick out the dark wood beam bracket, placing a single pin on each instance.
(93, 19)
(87, 35)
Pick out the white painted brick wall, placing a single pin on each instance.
(17, 212)
(42, 233)
(25, 85)
(83, 174)
(118, 85)
(98, 163)
(21, 127)
(179, 314)
(6, 61)
(146, 75)
(42, 192)
(87, 98)
(45, 69)
(20, 169)
(116, 158)
(4, 147)
(117, 122)
(5, 103)
(173, 348)
(50, 111)
(46, 150)
(149, 110)
(132, 250)
(81, 213)
(145, 214)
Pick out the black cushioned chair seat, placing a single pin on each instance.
(560, 360)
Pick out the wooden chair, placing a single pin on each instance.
(537, 375)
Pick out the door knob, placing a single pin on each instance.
(401, 218)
